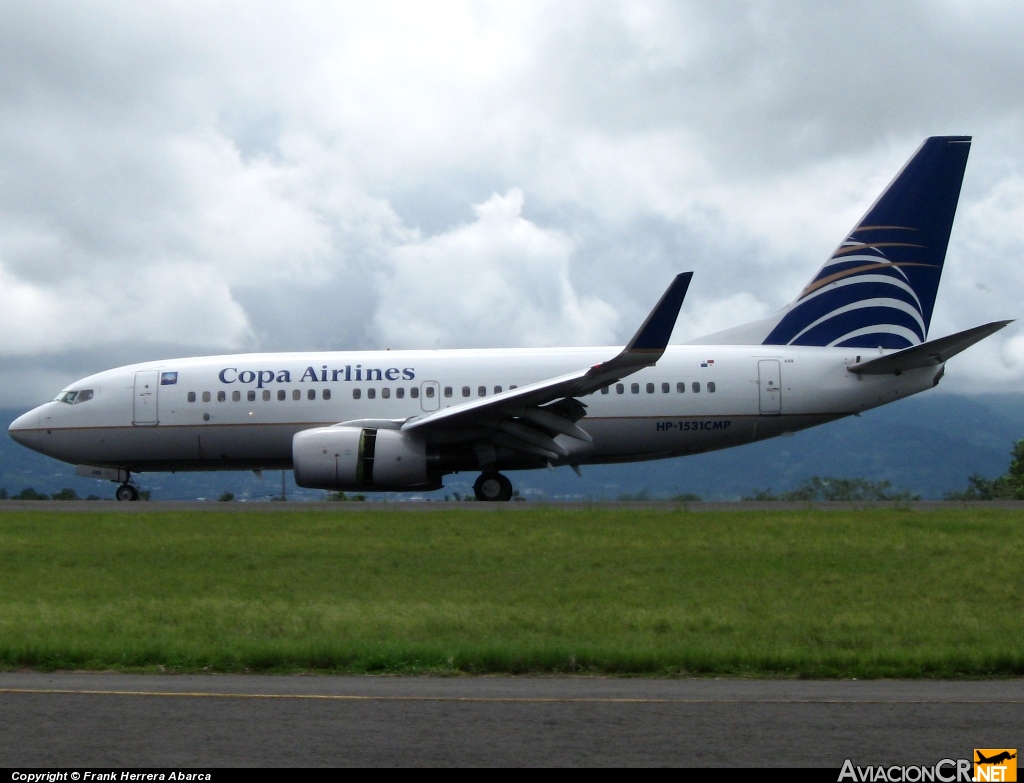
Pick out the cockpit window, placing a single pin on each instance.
(75, 397)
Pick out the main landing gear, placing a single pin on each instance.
(492, 486)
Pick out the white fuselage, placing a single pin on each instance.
(241, 411)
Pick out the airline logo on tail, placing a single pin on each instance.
(860, 292)
(878, 288)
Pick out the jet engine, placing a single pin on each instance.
(359, 458)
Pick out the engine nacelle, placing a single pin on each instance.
(358, 458)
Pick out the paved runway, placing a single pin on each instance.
(93, 720)
(450, 505)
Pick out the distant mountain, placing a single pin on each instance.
(927, 444)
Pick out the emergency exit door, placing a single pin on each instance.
(430, 395)
(769, 384)
(147, 385)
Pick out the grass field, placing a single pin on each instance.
(875, 593)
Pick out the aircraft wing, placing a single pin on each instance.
(528, 418)
(929, 354)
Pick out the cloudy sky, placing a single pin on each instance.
(193, 178)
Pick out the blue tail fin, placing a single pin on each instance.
(878, 288)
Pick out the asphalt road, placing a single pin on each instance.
(114, 720)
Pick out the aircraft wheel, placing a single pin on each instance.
(126, 492)
(492, 486)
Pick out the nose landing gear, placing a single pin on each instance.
(127, 492)
(492, 486)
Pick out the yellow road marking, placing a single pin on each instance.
(493, 699)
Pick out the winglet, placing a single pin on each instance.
(648, 344)
(654, 333)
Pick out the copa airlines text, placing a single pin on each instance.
(261, 377)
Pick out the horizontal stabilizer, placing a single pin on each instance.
(929, 354)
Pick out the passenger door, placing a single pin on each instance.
(147, 386)
(769, 384)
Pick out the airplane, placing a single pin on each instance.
(996, 759)
(854, 338)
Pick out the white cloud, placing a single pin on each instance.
(205, 177)
(49, 320)
(23, 309)
(703, 317)
(500, 280)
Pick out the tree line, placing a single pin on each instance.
(29, 493)
(1009, 486)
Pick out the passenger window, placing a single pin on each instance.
(400, 392)
(371, 393)
(634, 388)
(650, 388)
(447, 391)
(281, 395)
(221, 396)
(206, 396)
(311, 394)
(513, 386)
(296, 394)
(251, 395)
(681, 387)
(497, 390)
(236, 396)
(696, 387)
(604, 390)
(619, 388)
(664, 388)
(191, 396)
(385, 393)
(326, 394)
(266, 395)
(465, 391)
(711, 387)
(356, 394)
(481, 391)
(430, 391)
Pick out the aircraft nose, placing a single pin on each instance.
(25, 428)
